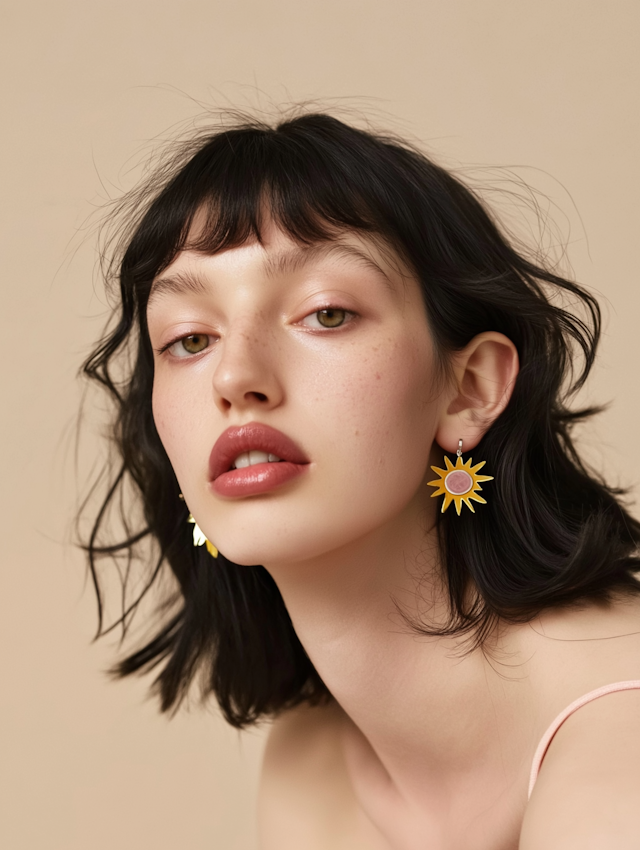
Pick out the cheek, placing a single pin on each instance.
(175, 413)
(394, 388)
(165, 415)
(386, 414)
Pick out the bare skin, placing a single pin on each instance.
(462, 780)
(424, 746)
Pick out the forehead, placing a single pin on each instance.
(276, 254)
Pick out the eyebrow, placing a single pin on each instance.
(297, 258)
(287, 262)
(178, 283)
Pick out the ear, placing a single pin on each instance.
(484, 376)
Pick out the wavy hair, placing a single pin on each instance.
(552, 534)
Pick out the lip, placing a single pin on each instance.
(262, 477)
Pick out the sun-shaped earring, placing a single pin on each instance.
(459, 483)
(200, 539)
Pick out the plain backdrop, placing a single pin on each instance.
(547, 88)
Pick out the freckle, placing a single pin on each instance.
(357, 434)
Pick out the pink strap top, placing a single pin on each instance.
(543, 746)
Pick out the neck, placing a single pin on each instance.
(423, 705)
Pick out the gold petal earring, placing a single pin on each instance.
(199, 537)
(459, 483)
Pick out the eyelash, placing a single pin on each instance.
(187, 354)
(349, 317)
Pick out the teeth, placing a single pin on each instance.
(253, 457)
(242, 460)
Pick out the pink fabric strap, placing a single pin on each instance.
(543, 746)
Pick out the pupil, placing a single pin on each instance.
(331, 318)
(194, 343)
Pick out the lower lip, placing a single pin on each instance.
(257, 479)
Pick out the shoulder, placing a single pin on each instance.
(303, 739)
(303, 789)
(587, 793)
(306, 799)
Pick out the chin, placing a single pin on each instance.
(243, 558)
(282, 549)
(250, 553)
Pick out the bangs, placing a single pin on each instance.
(313, 181)
(308, 193)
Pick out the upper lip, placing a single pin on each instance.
(252, 436)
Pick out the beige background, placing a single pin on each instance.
(550, 86)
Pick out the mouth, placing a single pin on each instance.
(252, 459)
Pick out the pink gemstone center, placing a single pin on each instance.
(458, 482)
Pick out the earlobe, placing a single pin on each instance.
(485, 372)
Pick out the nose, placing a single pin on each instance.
(248, 371)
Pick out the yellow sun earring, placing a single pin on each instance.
(199, 537)
(459, 483)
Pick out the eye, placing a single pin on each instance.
(329, 317)
(187, 345)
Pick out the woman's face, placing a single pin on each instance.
(327, 345)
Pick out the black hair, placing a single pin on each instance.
(552, 533)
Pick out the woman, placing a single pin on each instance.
(325, 331)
